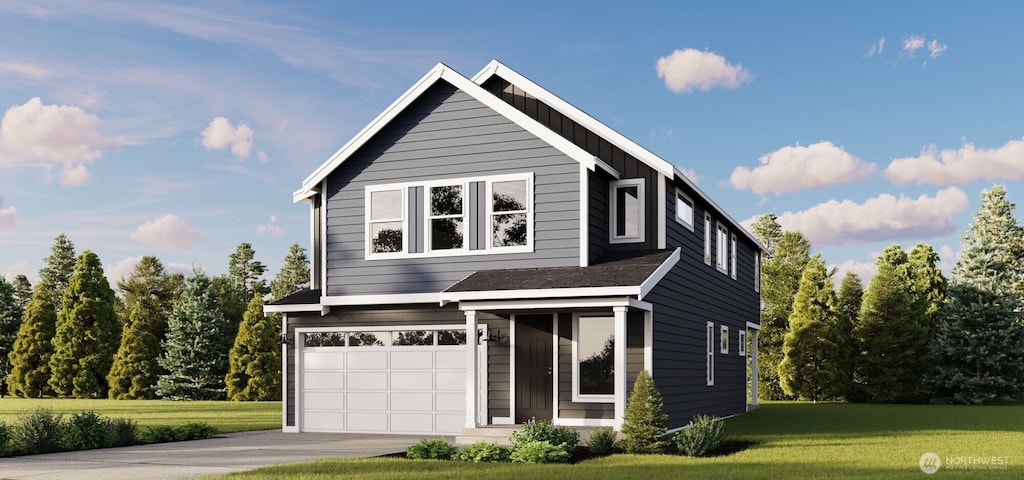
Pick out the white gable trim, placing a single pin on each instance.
(659, 273)
(443, 72)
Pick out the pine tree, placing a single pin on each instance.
(890, 338)
(928, 282)
(30, 357)
(644, 423)
(196, 348)
(768, 231)
(148, 295)
(247, 272)
(812, 364)
(60, 265)
(22, 291)
(255, 360)
(997, 238)
(294, 274)
(781, 280)
(10, 319)
(851, 293)
(88, 333)
(230, 303)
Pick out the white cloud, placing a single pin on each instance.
(220, 134)
(876, 48)
(271, 227)
(913, 43)
(691, 174)
(8, 216)
(935, 48)
(168, 231)
(865, 270)
(948, 258)
(62, 134)
(960, 166)
(882, 218)
(687, 70)
(28, 70)
(121, 269)
(20, 268)
(793, 168)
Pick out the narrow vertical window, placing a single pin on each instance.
(627, 211)
(725, 339)
(684, 210)
(509, 212)
(707, 239)
(757, 272)
(722, 249)
(742, 342)
(447, 218)
(710, 366)
(387, 221)
(732, 259)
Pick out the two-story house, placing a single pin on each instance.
(485, 253)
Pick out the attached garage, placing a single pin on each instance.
(407, 380)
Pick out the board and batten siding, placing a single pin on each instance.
(446, 134)
(497, 354)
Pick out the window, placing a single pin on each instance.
(725, 339)
(412, 338)
(593, 359)
(326, 339)
(757, 272)
(742, 342)
(722, 249)
(684, 210)
(447, 218)
(387, 221)
(369, 339)
(627, 211)
(710, 366)
(509, 213)
(732, 259)
(707, 238)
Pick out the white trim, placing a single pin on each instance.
(512, 368)
(588, 422)
(732, 257)
(284, 376)
(641, 213)
(707, 238)
(620, 366)
(662, 212)
(741, 339)
(502, 421)
(556, 304)
(540, 293)
(722, 247)
(723, 337)
(659, 273)
(313, 251)
(554, 366)
(577, 397)
(693, 209)
(396, 298)
(649, 342)
(323, 237)
(428, 217)
(306, 307)
(753, 326)
(584, 217)
(472, 384)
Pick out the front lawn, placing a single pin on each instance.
(225, 416)
(795, 440)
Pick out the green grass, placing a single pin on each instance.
(796, 440)
(226, 417)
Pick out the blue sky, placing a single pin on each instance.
(180, 129)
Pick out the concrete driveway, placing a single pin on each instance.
(228, 453)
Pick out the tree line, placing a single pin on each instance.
(912, 335)
(160, 335)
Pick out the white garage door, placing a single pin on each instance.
(404, 381)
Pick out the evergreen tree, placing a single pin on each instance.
(848, 301)
(10, 320)
(230, 302)
(247, 272)
(30, 357)
(294, 274)
(644, 423)
(768, 231)
(87, 333)
(196, 348)
(781, 280)
(255, 360)
(22, 291)
(997, 239)
(928, 282)
(812, 366)
(60, 265)
(890, 336)
(979, 339)
(148, 295)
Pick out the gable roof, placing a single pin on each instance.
(496, 68)
(442, 72)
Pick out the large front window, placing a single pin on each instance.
(594, 359)
(627, 211)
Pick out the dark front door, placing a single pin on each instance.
(534, 367)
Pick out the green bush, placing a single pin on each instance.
(160, 434)
(539, 451)
(602, 441)
(38, 431)
(431, 448)
(196, 431)
(703, 435)
(5, 440)
(485, 452)
(644, 424)
(543, 431)
(188, 431)
(86, 431)
(124, 432)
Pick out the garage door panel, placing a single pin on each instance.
(451, 423)
(317, 421)
(418, 360)
(450, 380)
(323, 380)
(450, 402)
(412, 422)
(450, 359)
(411, 381)
(367, 380)
(412, 401)
(367, 422)
(367, 401)
(325, 400)
(376, 360)
(333, 359)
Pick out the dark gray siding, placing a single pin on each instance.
(498, 370)
(598, 216)
(316, 251)
(691, 295)
(447, 134)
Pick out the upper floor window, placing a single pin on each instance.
(722, 249)
(509, 213)
(757, 272)
(732, 258)
(447, 217)
(387, 221)
(684, 209)
(707, 238)
(627, 211)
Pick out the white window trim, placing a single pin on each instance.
(724, 339)
(682, 221)
(488, 248)
(613, 220)
(757, 271)
(707, 238)
(732, 258)
(576, 395)
(722, 248)
(742, 337)
(428, 216)
(710, 359)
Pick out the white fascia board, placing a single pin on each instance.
(719, 210)
(314, 307)
(659, 273)
(390, 299)
(753, 326)
(579, 116)
(555, 304)
(540, 293)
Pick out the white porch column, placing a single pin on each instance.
(471, 368)
(284, 372)
(620, 366)
(649, 342)
(753, 366)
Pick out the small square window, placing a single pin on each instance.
(725, 339)
(684, 210)
(742, 342)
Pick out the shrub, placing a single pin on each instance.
(124, 432)
(704, 434)
(196, 431)
(5, 440)
(38, 431)
(644, 423)
(188, 431)
(539, 451)
(543, 431)
(602, 441)
(431, 448)
(160, 434)
(485, 452)
(86, 431)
